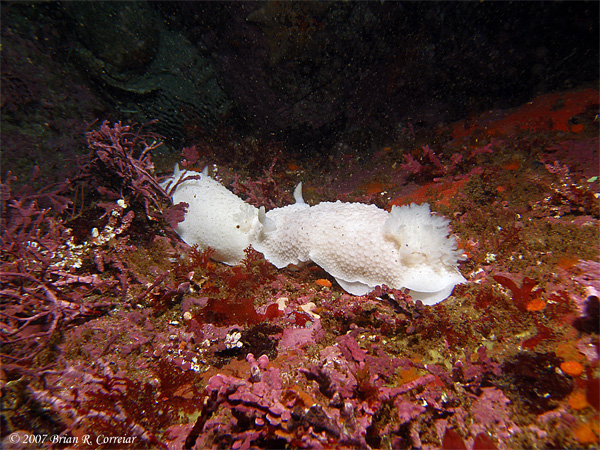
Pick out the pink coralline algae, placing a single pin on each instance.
(490, 411)
(350, 388)
(256, 402)
(268, 413)
(569, 194)
(40, 289)
(428, 163)
(123, 157)
(266, 187)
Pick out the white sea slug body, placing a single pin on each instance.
(363, 246)
(215, 217)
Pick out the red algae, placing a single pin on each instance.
(522, 295)
(547, 112)
(453, 441)
(593, 391)
(484, 442)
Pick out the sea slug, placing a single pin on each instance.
(360, 245)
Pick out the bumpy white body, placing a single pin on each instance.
(215, 217)
(362, 246)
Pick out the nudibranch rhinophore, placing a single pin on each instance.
(360, 245)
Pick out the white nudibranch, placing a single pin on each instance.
(215, 217)
(360, 245)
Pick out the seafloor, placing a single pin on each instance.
(114, 330)
(114, 334)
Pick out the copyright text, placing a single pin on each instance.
(24, 438)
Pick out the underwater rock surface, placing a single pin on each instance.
(113, 328)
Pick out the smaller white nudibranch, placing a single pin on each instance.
(215, 217)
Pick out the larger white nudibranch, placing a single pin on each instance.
(363, 246)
